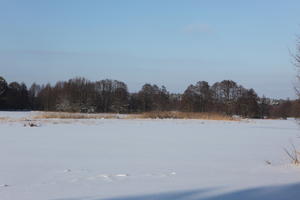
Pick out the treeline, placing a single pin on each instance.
(82, 95)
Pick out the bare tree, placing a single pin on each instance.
(3, 85)
(297, 64)
(226, 94)
(82, 95)
(197, 98)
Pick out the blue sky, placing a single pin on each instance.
(167, 42)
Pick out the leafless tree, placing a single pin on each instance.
(3, 85)
(296, 57)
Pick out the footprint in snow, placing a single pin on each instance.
(162, 174)
(122, 175)
(67, 170)
(4, 185)
(109, 177)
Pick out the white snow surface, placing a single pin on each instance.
(131, 159)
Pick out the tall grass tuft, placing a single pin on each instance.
(293, 154)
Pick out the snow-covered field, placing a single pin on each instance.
(124, 159)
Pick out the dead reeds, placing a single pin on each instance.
(65, 115)
(182, 115)
(146, 115)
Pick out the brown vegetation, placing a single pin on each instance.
(3, 118)
(183, 115)
(67, 115)
(293, 155)
(146, 115)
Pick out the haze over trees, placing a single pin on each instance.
(82, 95)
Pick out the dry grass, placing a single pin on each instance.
(8, 120)
(146, 115)
(293, 154)
(183, 115)
(65, 115)
(4, 118)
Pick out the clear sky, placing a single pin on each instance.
(167, 42)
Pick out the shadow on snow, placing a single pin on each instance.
(284, 192)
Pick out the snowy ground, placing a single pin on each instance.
(120, 159)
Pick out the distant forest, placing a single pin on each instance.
(112, 96)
